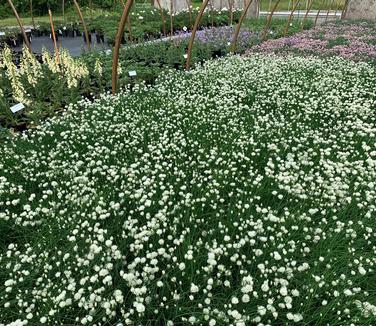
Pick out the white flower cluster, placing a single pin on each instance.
(30, 67)
(74, 69)
(240, 193)
(14, 75)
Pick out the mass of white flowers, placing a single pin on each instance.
(240, 193)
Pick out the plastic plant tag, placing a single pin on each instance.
(17, 107)
(132, 73)
(2, 33)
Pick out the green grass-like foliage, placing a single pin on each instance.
(241, 193)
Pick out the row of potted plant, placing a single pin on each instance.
(47, 84)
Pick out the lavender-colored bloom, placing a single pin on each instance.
(351, 41)
(221, 37)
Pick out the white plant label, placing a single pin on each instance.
(17, 107)
(132, 73)
(2, 33)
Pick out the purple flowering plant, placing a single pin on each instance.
(354, 40)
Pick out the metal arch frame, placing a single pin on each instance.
(83, 22)
(239, 25)
(119, 36)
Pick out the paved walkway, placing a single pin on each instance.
(75, 45)
(312, 14)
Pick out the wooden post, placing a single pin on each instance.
(290, 17)
(267, 25)
(317, 16)
(231, 5)
(26, 40)
(118, 39)
(54, 37)
(171, 17)
(327, 13)
(83, 23)
(309, 7)
(129, 24)
(236, 35)
(194, 31)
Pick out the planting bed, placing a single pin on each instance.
(46, 87)
(356, 41)
(240, 193)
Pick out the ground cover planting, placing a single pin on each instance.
(351, 40)
(239, 193)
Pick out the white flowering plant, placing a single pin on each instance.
(240, 193)
(43, 87)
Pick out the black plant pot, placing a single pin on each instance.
(56, 36)
(89, 38)
(217, 53)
